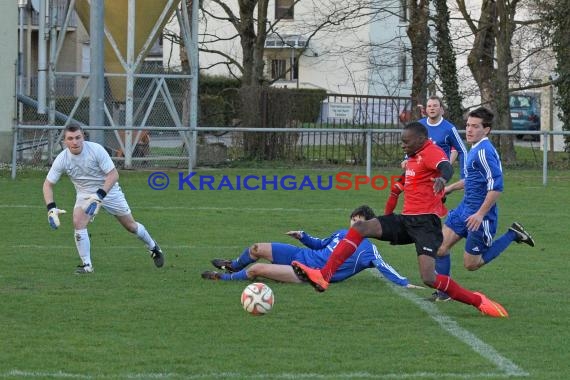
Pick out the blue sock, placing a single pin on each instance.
(237, 276)
(499, 246)
(243, 260)
(443, 266)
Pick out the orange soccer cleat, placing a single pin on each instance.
(491, 308)
(313, 276)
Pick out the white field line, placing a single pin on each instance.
(198, 208)
(452, 327)
(13, 374)
(507, 367)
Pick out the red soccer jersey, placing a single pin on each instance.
(421, 168)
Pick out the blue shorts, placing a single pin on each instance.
(477, 242)
(285, 254)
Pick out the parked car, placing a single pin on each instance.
(525, 113)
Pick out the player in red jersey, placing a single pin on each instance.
(427, 171)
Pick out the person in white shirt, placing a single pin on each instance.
(95, 178)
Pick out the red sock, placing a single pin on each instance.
(345, 248)
(455, 291)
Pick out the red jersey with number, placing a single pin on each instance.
(421, 169)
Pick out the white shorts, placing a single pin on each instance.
(115, 202)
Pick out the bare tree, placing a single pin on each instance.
(489, 61)
(447, 68)
(555, 24)
(418, 33)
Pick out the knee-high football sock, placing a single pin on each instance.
(455, 291)
(83, 245)
(143, 235)
(243, 260)
(443, 264)
(499, 246)
(241, 275)
(345, 248)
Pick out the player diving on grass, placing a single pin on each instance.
(315, 253)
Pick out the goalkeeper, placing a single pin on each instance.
(95, 179)
(315, 254)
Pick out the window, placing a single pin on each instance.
(284, 9)
(295, 69)
(278, 68)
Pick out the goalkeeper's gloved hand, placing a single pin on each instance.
(93, 203)
(53, 215)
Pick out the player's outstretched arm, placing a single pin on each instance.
(295, 234)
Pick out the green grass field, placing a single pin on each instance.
(132, 320)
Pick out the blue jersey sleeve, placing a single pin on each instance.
(459, 146)
(491, 168)
(314, 242)
(388, 272)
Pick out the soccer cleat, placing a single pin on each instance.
(157, 256)
(211, 275)
(310, 275)
(439, 296)
(223, 264)
(84, 269)
(491, 308)
(522, 235)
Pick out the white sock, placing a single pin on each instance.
(143, 234)
(83, 246)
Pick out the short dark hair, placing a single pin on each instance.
(417, 128)
(484, 114)
(435, 97)
(364, 211)
(73, 128)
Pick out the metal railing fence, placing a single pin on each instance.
(369, 148)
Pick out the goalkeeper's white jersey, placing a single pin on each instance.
(86, 170)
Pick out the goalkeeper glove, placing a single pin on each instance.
(93, 203)
(53, 215)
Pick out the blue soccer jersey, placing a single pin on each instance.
(366, 256)
(484, 174)
(445, 135)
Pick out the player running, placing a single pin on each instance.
(315, 254)
(476, 217)
(95, 178)
(445, 135)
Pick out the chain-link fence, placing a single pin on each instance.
(151, 132)
(326, 130)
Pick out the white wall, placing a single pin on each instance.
(339, 59)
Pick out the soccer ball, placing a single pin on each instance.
(257, 298)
